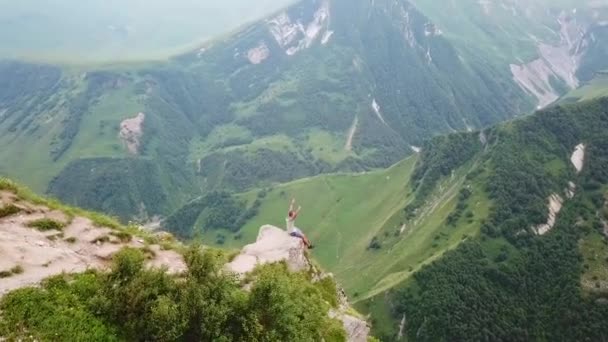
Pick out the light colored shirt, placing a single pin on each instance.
(289, 224)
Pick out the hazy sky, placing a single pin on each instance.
(102, 29)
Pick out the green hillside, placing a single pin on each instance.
(596, 88)
(322, 87)
(345, 214)
(460, 217)
(507, 280)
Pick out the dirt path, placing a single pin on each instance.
(79, 246)
(351, 134)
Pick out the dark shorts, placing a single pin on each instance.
(297, 233)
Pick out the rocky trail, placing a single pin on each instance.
(37, 242)
(29, 255)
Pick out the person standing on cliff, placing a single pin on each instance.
(290, 221)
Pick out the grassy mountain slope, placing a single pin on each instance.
(357, 223)
(325, 86)
(597, 87)
(468, 240)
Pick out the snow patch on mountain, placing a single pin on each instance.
(79, 246)
(571, 190)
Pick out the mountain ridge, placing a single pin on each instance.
(285, 91)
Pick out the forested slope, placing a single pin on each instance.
(534, 272)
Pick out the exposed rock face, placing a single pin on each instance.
(131, 131)
(356, 329)
(534, 78)
(578, 157)
(272, 245)
(376, 108)
(258, 54)
(557, 63)
(555, 206)
(295, 34)
(79, 246)
(275, 245)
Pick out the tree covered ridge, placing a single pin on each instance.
(508, 283)
(131, 303)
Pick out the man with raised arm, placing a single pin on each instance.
(290, 223)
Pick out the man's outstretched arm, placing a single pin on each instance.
(298, 211)
(293, 202)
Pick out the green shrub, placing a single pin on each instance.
(122, 236)
(9, 210)
(329, 290)
(71, 239)
(132, 302)
(46, 224)
(8, 185)
(148, 252)
(101, 239)
(17, 269)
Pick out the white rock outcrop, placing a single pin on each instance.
(258, 54)
(296, 34)
(555, 206)
(272, 245)
(578, 157)
(356, 329)
(131, 131)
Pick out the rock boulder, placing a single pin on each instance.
(272, 245)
